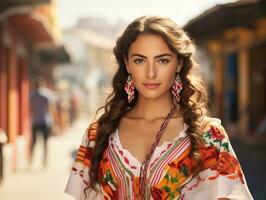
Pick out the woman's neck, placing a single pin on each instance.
(150, 109)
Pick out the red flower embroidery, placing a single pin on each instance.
(156, 193)
(229, 166)
(173, 164)
(209, 153)
(216, 133)
(110, 193)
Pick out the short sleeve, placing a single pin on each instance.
(79, 176)
(225, 174)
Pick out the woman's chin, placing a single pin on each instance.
(151, 94)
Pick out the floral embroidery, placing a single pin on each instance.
(209, 156)
(107, 178)
(156, 193)
(84, 153)
(216, 134)
(229, 166)
(92, 130)
(215, 154)
(175, 176)
(225, 163)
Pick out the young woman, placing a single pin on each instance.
(155, 139)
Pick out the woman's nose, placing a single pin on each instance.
(151, 70)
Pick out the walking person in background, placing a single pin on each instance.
(155, 138)
(3, 140)
(41, 110)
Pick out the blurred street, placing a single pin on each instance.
(49, 183)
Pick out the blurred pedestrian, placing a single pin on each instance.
(3, 140)
(42, 118)
(261, 128)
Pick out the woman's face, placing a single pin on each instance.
(150, 61)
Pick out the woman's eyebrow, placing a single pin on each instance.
(161, 55)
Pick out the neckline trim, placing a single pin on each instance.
(160, 148)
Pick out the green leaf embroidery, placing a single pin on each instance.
(184, 170)
(166, 188)
(108, 177)
(208, 135)
(167, 177)
(226, 146)
(217, 140)
(212, 144)
(174, 180)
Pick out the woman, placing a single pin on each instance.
(154, 139)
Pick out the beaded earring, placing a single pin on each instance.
(129, 88)
(177, 87)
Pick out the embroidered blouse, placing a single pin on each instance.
(170, 172)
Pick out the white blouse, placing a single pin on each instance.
(169, 172)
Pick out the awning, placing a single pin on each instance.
(36, 22)
(7, 4)
(34, 29)
(215, 20)
(55, 55)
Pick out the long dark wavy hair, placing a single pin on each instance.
(193, 99)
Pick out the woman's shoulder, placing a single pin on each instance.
(221, 169)
(207, 123)
(92, 130)
(89, 136)
(212, 131)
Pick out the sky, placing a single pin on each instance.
(181, 11)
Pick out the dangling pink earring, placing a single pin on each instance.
(177, 87)
(129, 87)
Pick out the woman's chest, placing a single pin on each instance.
(168, 169)
(138, 138)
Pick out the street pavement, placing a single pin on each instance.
(48, 183)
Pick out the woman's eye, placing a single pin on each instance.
(138, 60)
(163, 61)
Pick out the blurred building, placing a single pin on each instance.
(232, 42)
(29, 47)
(92, 65)
(103, 26)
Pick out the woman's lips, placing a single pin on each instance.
(151, 85)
